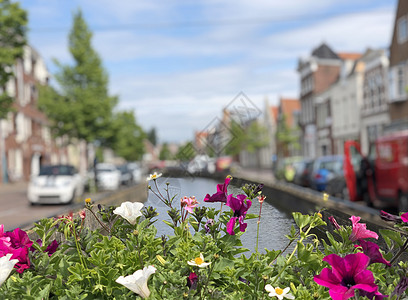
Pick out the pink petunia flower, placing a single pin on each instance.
(221, 194)
(347, 274)
(240, 206)
(360, 230)
(372, 250)
(404, 217)
(189, 203)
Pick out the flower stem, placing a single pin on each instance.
(99, 221)
(401, 250)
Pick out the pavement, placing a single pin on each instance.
(9, 188)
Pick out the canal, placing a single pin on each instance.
(275, 223)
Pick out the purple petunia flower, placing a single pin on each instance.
(221, 194)
(208, 225)
(346, 275)
(401, 287)
(372, 250)
(360, 230)
(404, 217)
(390, 217)
(372, 295)
(240, 207)
(192, 281)
(334, 223)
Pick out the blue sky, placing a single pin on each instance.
(177, 63)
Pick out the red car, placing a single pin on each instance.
(382, 178)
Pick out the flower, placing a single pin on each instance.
(189, 203)
(325, 197)
(261, 198)
(51, 248)
(137, 282)
(208, 225)
(404, 217)
(192, 281)
(88, 200)
(346, 275)
(372, 295)
(82, 215)
(199, 262)
(6, 265)
(221, 194)
(389, 217)
(334, 223)
(240, 207)
(153, 176)
(278, 292)
(372, 250)
(129, 211)
(401, 287)
(360, 231)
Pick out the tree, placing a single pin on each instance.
(286, 137)
(82, 108)
(127, 138)
(13, 21)
(165, 153)
(152, 136)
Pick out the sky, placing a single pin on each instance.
(178, 63)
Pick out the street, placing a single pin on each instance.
(15, 210)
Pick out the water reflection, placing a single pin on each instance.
(274, 223)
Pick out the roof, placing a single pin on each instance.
(324, 51)
(287, 107)
(349, 55)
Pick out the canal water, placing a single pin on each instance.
(275, 224)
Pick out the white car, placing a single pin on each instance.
(107, 176)
(55, 184)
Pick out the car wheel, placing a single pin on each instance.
(402, 202)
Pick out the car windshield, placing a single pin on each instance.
(57, 170)
(335, 166)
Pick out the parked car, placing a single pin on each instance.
(382, 177)
(55, 184)
(108, 177)
(303, 171)
(126, 177)
(136, 171)
(324, 169)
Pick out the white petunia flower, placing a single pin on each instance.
(129, 211)
(198, 262)
(154, 176)
(137, 282)
(6, 265)
(278, 292)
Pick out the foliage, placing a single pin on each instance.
(199, 260)
(165, 153)
(152, 136)
(249, 138)
(82, 108)
(286, 137)
(13, 31)
(186, 152)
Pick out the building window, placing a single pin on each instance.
(400, 81)
(402, 30)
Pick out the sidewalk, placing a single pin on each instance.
(256, 175)
(8, 188)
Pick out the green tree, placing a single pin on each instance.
(186, 152)
(127, 138)
(83, 108)
(286, 138)
(13, 29)
(165, 153)
(152, 136)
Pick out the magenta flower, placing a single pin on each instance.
(51, 248)
(360, 230)
(372, 250)
(221, 194)
(346, 275)
(389, 217)
(19, 238)
(334, 223)
(192, 281)
(240, 207)
(372, 295)
(3, 238)
(404, 217)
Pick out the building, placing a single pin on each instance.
(26, 141)
(317, 73)
(288, 131)
(374, 112)
(398, 68)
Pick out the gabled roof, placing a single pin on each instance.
(349, 56)
(324, 51)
